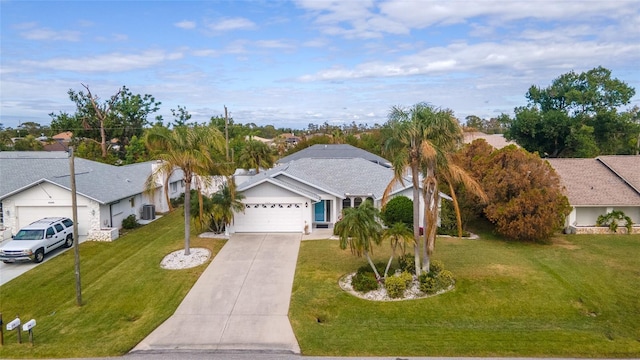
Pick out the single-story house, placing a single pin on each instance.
(36, 184)
(308, 193)
(598, 186)
(335, 151)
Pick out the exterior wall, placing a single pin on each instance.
(46, 195)
(588, 216)
(124, 208)
(632, 212)
(268, 190)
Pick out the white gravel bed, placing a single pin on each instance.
(380, 294)
(178, 260)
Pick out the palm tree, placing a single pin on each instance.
(218, 209)
(359, 229)
(421, 137)
(398, 234)
(255, 155)
(226, 202)
(194, 150)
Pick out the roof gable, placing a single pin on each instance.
(339, 177)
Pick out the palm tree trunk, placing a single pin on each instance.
(430, 188)
(393, 254)
(373, 266)
(187, 213)
(456, 207)
(416, 217)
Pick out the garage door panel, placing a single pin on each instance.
(29, 214)
(263, 217)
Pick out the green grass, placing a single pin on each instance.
(125, 294)
(578, 296)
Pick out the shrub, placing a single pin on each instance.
(407, 263)
(395, 286)
(380, 266)
(436, 266)
(611, 220)
(364, 282)
(444, 279)
(427, 284)
(398, 209)
(130, 222)
(436, 279)
(406, 277)
(177, 201)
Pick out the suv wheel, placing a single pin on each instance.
(69, 241)
(39, 256)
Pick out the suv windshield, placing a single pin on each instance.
(29, 235)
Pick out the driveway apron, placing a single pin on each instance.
(239, 303)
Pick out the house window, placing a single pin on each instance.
(174, 187)
(357, 201)
(346, 203)
(133, 202)
(182, 184)
(1, 214)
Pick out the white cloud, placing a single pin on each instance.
(368, 19)
(186, 24)
(232, 24)
(511, 56)
(113, 62)
(274, 44)
(48, 34)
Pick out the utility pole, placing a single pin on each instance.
(226, 130)
(76, 240)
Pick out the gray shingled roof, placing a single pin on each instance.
(626, 166)
(589, 182)
(340, 177)
(101, 182)
(335, 151)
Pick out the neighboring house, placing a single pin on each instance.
(309, 193)
(290, 139)
(496, 140)
(598, 186)
(37, 184)
(64, 137)
(269, 142)
(335, 151)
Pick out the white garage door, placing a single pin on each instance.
(284, 217)
(29, 214)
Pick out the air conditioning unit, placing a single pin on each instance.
(148, 212)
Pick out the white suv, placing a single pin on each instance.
(35, 240)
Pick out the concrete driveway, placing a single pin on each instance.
(240, 302)
(9, 272)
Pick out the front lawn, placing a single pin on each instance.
(125, 294)
(576, 297)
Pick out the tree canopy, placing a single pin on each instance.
(578, 115)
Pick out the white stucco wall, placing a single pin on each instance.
(48, 196)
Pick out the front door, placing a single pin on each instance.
(319, 211)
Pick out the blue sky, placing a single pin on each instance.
(291, 63)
